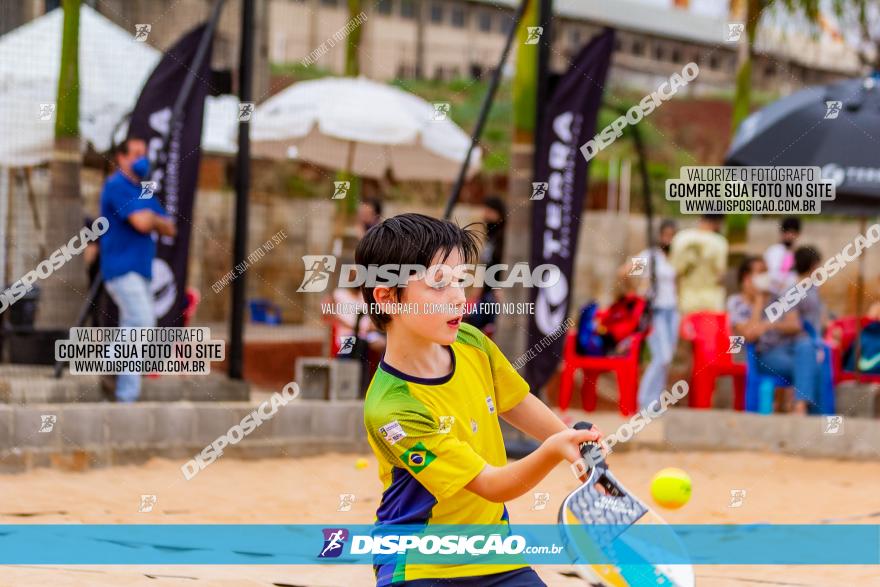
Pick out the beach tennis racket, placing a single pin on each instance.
(601, 512)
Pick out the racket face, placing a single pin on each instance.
(605, 505)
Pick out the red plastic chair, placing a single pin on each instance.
(193, 297)
(840, 336)
(625, 367)
(709, 333)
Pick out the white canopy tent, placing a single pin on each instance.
(112, 70)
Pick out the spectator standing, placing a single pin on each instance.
(128, 247)
(369, 214)
(780, 257)
(699, 257)
(664, 318)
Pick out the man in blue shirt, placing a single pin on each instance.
(128, 247)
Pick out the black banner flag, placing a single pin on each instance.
(174, 149)
(569, 121)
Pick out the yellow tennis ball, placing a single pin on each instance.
(671, 488)
(361, 463)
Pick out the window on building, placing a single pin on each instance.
(714, 62)
(384, 6)
(659, 51)
(458, 17)
(618, 43)
(330, 2)
(638, 48)
(574, 36)
(770, 70)
(676, 55)
(505, 23)
(436, 12)
(484, 21)
(407, 8)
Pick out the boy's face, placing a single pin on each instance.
(436, 304)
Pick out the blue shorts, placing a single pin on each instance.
(524, 577)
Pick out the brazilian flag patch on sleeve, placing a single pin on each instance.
(417, 458)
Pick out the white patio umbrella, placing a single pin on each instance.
(362, 127)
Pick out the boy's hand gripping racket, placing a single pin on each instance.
(609, 509)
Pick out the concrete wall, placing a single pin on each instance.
(97, 435)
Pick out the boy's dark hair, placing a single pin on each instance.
(411, 239)
(790, 224)
(714, 217)
(805, 258)
(745, 268)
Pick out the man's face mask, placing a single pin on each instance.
(141, 167)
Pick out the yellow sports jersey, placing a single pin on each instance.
(432, 437)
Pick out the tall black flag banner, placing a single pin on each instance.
(174, 149)
(569, 121)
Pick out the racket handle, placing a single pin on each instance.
(590, 451)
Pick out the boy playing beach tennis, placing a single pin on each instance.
(431, 411)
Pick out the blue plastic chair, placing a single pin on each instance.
(265, 312)
(761, 387)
